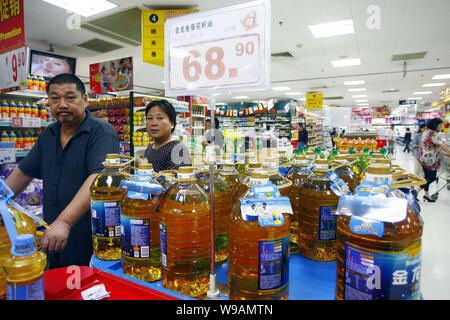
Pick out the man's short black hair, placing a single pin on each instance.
(434, 123)
(67, 78)
(167, 107)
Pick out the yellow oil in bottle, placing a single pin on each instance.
(141, 252)
(249, 244)
(185, 235)
(384, 265)
(222, 209)
(24, 270)
(297, 175)
(317, 219)
(233, 180)
(345, 172)
(24, 225)
(283, 184)
(106, 196)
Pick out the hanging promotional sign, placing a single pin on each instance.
(220, 50)
(13, 70)
(12, 27)
(111, 76)
(314, 101)
(153, 33)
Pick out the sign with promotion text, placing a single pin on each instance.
(13, 70)
(219, 51)
(153, 33)
(12, 26)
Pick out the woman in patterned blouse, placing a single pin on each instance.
(430, 149)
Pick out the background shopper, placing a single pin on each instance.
(407, 140)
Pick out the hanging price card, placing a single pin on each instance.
(221, 50)
(13, 69)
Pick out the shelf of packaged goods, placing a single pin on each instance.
(8, 123)
(27, 94)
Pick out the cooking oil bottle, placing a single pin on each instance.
(24, 270)
(222, 209)
(233, 180)
(283, 184)
(258, 265)
(106, 196)
(379, 257)
(345, 172)
(297, 175)
(24, 225)
(317, 219)
(185, 235)
(141, 252)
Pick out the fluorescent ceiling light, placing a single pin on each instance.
(360, 96)
(294, 93)
(240, 97)
(357, 89)
(434, 84)
(346, 62)
(414, 98)
(422, 92)
(354, 83)
(362, 104)
(331, 29)
(86, 8)
(361, 100)
(281, 88)
(441, 76)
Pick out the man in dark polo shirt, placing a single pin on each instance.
(67, 157)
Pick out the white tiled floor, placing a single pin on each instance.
(435, 271)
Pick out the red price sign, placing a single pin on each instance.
(13, 65)
(221, 50)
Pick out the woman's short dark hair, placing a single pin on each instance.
(167, 107)
(434, 123)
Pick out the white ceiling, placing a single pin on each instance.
(407, 26)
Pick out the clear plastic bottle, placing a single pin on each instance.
(376, 259)
(346, 173)
(233, 179)
(317, 219)
(185, 233)
(258, 255)
(222, 208)
(141, 252)
(24, 270)
(297, 175)
(106, 196)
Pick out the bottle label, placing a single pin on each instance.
(32, 291)
(135, 237)
(163, 243)
(273, 263)
(338, 185)
(268, 211)
(106, 218)
(374, 275)
(327, 223)
(363, 226)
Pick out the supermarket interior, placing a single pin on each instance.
(324, 124)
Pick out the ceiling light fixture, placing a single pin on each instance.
(281, 88)
(331, 29)
(422, 92)
(414, 98)
(86, 8)
(357, 89)
(294, 93)
(354, 83)
(440, 84)
(346, 63)
(362, 100)
(362, 104)
(360, 96)
(240, 97)
(441, 76)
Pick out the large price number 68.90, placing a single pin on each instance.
(17, 61)
(214, 68)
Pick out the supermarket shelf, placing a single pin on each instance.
(21, 154)
(27, 93)
(8, 123)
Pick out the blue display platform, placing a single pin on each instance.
(308, 280)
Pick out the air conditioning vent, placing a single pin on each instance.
(282, 56)
(409, 56)
(333, 98)
(98, 45)
(390, 91)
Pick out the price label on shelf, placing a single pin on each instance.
(221, 50)
(7, 152)
(19, 122)
(13, 69)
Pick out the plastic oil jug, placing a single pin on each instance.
(345, 171)
(378, 242)
(106, 196)
(317, 219)
(222, 209)
(24, 270)
(233, 180)
(141, 258)
(185, 235)
(258, 266)
(298, 174)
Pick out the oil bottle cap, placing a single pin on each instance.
(259, 175)
(24, 245)
(377, 156)
(255, 165)
(185, 170)
(321, 165)
(379, 168)
(384, 161)
(112, 156)
(344, 152)
(341, 157)
(146, 166)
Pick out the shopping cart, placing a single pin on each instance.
(444, 174)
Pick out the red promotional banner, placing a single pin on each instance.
(12, 27)
(111, 76)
